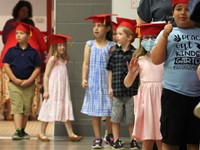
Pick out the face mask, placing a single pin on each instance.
(147, 44)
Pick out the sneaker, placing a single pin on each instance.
(25, 135)
(118, 145)
(18, 135)
(109, 139)
(134, 145)
(97, 144)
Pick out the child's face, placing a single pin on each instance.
(114, 36)
(99, 30)
(61, 49)
(21, 36)
(181, 16)
(122, 38)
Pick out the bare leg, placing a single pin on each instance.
(147, 144)
(108, 125)
(43, 128)
(130, 129)
(159, 144)
(169, 147)
(69, 128)
(24, 121)
(116, 130)
(18, 121)
(96, 122)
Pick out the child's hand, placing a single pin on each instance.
(167, 29)
(25, 83)
(133, 66)
(18, 82)
(110, 92)
(84, 83)
(46, 95)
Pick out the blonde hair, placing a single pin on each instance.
(129, 33)
(53, 51)
(140, 51)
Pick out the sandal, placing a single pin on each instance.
(75, 138)
(43, 138)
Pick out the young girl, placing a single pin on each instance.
(57, 105)
(177, 48)
(147, 102)
(95, 76)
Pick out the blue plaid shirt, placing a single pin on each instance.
(117, 64)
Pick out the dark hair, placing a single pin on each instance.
(28, 21)
(21, 4)
(109, 33)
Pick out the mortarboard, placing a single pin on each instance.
(114, 26)
(101, 18)
(58, 39)
(23, 27)
(129, 23)
(174, 2)
(153, 28)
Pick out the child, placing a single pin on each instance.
(147, 102)
(95, 77)
(57, 105)
(122, 97)
(178, 48)
(114, 31)
(22, 65)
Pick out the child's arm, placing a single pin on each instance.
(133, 70)
(198, 72)
(110, 90)
(85, 68)
(158, 53)
(47, 72)
(11, 75)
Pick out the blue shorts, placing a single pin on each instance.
(178, 123)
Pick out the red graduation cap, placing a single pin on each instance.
(101, 18)
(153, 28)
(174, 2)
(58, 39)
(23, 27)
(129, 23)
(114, 26)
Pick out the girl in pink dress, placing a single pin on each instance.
(57, 105)
(147, 103)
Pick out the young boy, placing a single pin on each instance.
(122, 97)
(22, 65)
(178, 48)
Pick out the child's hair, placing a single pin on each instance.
(128, 32)
(109, 33)
(53, 51)
(140, 51)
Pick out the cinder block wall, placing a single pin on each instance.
(70, 16)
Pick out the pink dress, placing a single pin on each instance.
(59, 106)
(147, 103)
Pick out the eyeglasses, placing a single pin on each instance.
(149, 37)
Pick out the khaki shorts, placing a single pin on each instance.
(21, 98)
(122, 107)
